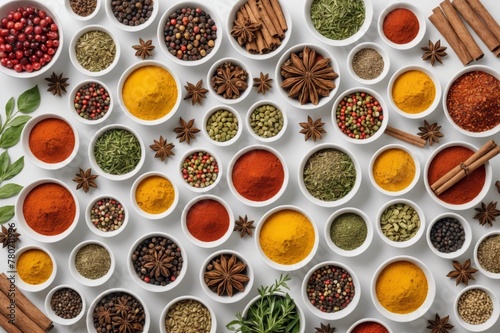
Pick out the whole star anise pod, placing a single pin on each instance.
(162, 148)
(229, 80)
(57, 84)
(85, 180)
(244, 31)
(487, 213)
(244, 226)
(263, 83)
(195, 92)
(103, 315)
(313, 129)
(186, 132)
(434, 52)
(121, 307)
(462, 272)
(227, 275)
(144, 49)
(324, 328)
(126, 324)
(430, 132)
(158, 263)
(440, 325)
(9, 237)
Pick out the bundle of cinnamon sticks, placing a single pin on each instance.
(447, 20)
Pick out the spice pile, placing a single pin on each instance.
(107, 214)
(394, 170)
(188, 316)
(66, 303)
(34, 266)
(92, 101)
(399, 222)
(475, 306)
(95, 50)
(337, 19)
(447, 235)
(117, 151)
(348, 231)
(413, 92)
(401, 26)
(488, 254)
(119, 309)
(266, 121)
(132, 12)
(51, 140)
(207, 220)
(200, 169)
(222, 125)
(226, 275)
(93, 261)
(229, 80)
(83, 7)
(155, 194)
(368, 64)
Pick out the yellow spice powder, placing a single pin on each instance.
(413, 92)
(34, 266)
(155, 194)
(393, 170)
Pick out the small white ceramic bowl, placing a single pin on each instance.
(248, 121)
(415, 178)
(245, 200)
(279, 78)
(163, 315)
(278, 266)
(6, 7)
(197, 241)
(59, 320)
(421, 21)
(483, 270)
(482, 68)
(465, 245)
(241, 49)
(98, 169)
(342, 42)
(473, 202)
(99, 232)
(74, 15)
(25, 138)
(123, 79)
(72, 50)
(490, 322)
(26, 229)
(237, 295)
(338, 314)
(192, 4)
(207, 116)
(348, 196)
(128, 28)
(36, 287)
(407, 317)
(383, 53)
(243, 94)
(369, 232)
(71, 102)
(219, 166)
(145, 214)
(152, 287)
(82, 279)
(369, 320)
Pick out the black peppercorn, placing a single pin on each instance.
(447, 235)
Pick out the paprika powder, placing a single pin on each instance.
(207, 220)
(51, 140)
(370, 327)
(401, 26)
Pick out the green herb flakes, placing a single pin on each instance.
(95, 50)
(337, 19)
(117, 151)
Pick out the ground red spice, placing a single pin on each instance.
(401, 26)
(52, 140)
(370, 327)
(467, 188)
(207, 220)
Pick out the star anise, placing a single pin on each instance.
(9, 237)
(308, 76)
(440, 325)
(186, 132)
(227, 275)
(57, 84)
(103, 315)
(158, 263)
(244, 226)
(144, 49)
(462, 272)
(244, 31)
(85, 180)
(487, 213)
(430, 132)
(434, 52)
(121, 307)
(195, 92)
(126, 325)
(229, 80)
(324, 328)
(263, 83)
(162, 148)
(313, 129)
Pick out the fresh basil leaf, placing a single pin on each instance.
(4, 163)
(14, 169)
(6, 213)
(19, 120)
(9, 107)
(9, 190)
(29, 100)
(11, 136)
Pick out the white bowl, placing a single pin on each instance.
(207, 116)
(467, 205)
(421, 21)
(6, 7)
(415, 178)
(249, 81)
(369, 320)
(385, 114)
(82, 279)
(59, 320)
(342, 42)
(237, 296)
(465, 245)
(241, 49)
(72, 50)
(145, 214)
(73, 111)
(219, 166)
(98, 169)
(483, 270)
(36, 287)
(26, 138)
(437, 97)
(407, 317)
(252, 132)
(383, 53)
(128, 28)
(74, 15)
(461, 72)
(193, 4)
(279, 79)
(490, 322)
(198, 242)
(348, 196)
(26, 229)
(163, 315)
(123, 79)
(338, 314)
(369, 232)
(245, 200)
(273, 264)
(152, 287)
(99, 232)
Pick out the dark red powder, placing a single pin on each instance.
(370, 327)
(207, 220)
(401, 26)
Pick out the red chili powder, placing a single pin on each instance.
(52, 140)
(400, 26)
(207, 220)
(258, 175)
(370, 327)
(467, 188)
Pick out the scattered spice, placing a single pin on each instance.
(107, 214)
(57, 84)
(312, 129)
(83, 7)
(117, 151)
(189, 316)
(66, 303)
(370, 327)
(348, 231)
(207, 220)
(475, 306)
(488, 254)
(462, 272)
(487, 213)
(368, 64)
(263, 83)
(413, 92)
(394, 169)
(229, 80)
(401, 26)
(226, 275)
(34, 266)
(144, 49)
(95, 50)
(132, 12)
(244, 226)
(162, 148)
(51, 140)
(400, 222)
(85, 180)
(440, 325)
(447, 235)
(222, 125)
(155, 194)
(434, 52)
(120, 310)
(430, 132)
(10, 236)
(92, 101)
(200, 169)
(266, 121)
(93, 261)
(195, 92)
(324, 328)
(337, 20)
(186, 132)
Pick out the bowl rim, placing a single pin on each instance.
(72, 96)
(55, 318)
(487, 324)
(219, 174)
(213, 327)
(483, 270)
(211, 111)
(127, 28)
(100, 232)
(234, 61)
(36, 287)
(252, 109)
(367, 320)
(82, 18)
(378, 48)
(80, 278)
(467, 230)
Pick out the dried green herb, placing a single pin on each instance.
(95, 50)
(337, 19)
(117, 151)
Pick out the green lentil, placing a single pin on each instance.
(348, 231)
(117, 151)
(337, 19)
(400, 222)
(266, 121)
(222, 126)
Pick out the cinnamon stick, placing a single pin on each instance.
(240, 19)
(404, 136)
(267, 9)
(279, 13)
(266, 21)
(259, 38)
(8, 327)
(485, 15)
(270, 41)
(22, 321)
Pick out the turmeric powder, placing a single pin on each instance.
(155, 194)
(34, 266)
(413, 92)
(393, 170)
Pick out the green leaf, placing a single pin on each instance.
(29, 100)
(4, 163)
(6, 213)
(9, 190)
(14, 169)
(9, 107)
(11, 136)
(19, 120)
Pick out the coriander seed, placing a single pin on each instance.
(475, 306)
